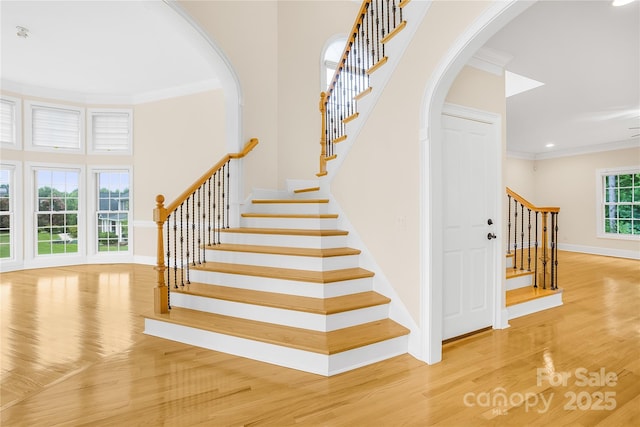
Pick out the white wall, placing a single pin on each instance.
(247, 33)
(378, 185)
(570, 182)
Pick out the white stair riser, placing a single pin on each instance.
(363, 356)
(533, 306)
(307, 361)
(288, 208)
(280, 286)
(519, 282)
(313, 242)
(284, 261)
(297, 319)
(296, 223)
(509, 262)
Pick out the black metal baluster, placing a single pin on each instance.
(219, 207)
(535, 273)
(377, 32)
(371, 35)
(515, 234)
(168, 228)
(209, 212)
(228, 190)
(197, 230)
(557, 243)
(544, 253)
(522, 236)
(388, 12)
(194, 219)
(175, 249)
(181, 246)
(529, 243)
(509, 224)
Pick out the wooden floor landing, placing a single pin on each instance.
(72, 353)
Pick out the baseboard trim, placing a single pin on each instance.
(594, 250)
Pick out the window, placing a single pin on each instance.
(7, 202)
(619, 203)
(51, 127)
(112, 213)
(57, 212)
(110, 131)
(330, 57)
(10, 122)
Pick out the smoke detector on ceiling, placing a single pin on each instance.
(23, 32)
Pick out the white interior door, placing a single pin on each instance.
(470, 173)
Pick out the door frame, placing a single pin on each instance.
(494, 120)
(494, 18)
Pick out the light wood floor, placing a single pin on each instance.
(73, 354)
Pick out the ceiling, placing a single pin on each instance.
(102, 51)
(585, 52)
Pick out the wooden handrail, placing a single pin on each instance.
(161, 213)
(185, 194)
(347, 48)
(530, 205)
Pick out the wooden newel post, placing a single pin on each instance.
(160, 295)
(323, 134)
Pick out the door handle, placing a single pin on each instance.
(491, 236)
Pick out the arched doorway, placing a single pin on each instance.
(489, 23)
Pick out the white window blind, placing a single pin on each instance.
(8, 121)
(56, 127)
(111, 131)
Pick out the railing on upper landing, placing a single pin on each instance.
(377, 22)
(544, 230)
(190, 223)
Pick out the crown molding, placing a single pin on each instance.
(108, 99)
(490, 60)
(589, 149)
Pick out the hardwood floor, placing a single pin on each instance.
(73, 353)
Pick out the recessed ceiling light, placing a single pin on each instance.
(621, 2)
(549, 145)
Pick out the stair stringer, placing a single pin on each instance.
(397, 310)
(413, 13)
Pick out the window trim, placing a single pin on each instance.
(93, 254)
(17, 225)
(600, 173)
(30, 235)
(324, 62)
(17, 126)
(30, 105)
(91, 112)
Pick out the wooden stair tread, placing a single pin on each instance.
(321, 306)
(306, 190)
(285, 250)
(287, 231)
(303, 339)
(518, 296)
(280, 215)
(287, 273)
(283, 201)
(515, 272)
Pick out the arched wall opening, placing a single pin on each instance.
(431, 219)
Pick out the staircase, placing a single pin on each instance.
(283, 288)
(522, 298)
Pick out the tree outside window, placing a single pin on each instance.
(621, 204)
